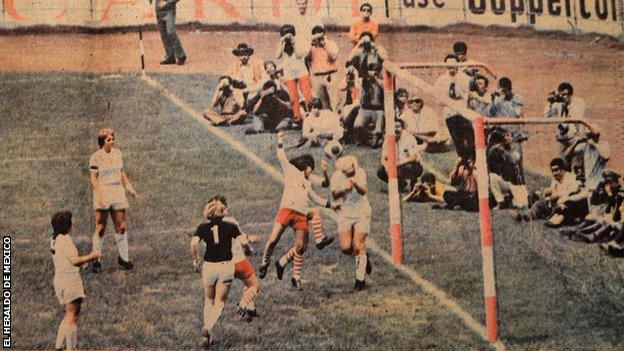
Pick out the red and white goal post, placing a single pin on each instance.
(391, 71)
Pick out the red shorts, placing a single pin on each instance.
(297, 220)
(243, 269)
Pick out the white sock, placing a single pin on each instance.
(214, 315)
(208, 304)
(60, 334)
(360, 266)
(122, 246)
(98, 243)
(72, 337)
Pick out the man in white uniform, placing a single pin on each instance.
(348, 187)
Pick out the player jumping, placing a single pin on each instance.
(348, 187)
(293, 212)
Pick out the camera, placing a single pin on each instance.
(351, 74)
(522, 137)
(554, 97)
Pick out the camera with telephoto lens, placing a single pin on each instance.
(522, 137)
(351, 74)
(554, 97)
(496, 93)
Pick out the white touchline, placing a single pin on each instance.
(425, 285)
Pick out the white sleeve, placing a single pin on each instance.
(360, 177)
(336, 183)
(316, 180)
(93, 163)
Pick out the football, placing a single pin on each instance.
(333, 150)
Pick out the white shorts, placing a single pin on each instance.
(213, 271)
(68, 288)
(359, 224)
(114, 198)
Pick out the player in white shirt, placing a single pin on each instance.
(67, 282)
(321, 125)
(348, 187)
(110, 182)
(294, 211)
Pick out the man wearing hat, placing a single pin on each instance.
(363, 24)
(246, 72)
(165, 17)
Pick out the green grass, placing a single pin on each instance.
(48, 128)
(552, 293)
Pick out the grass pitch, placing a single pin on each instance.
(552, 294)
(48, 133)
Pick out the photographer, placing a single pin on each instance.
(348, 102)
(596, 153)
(292, 58)
(322, 58)
(465, 182)
(428, 189)
(409, 167)
(272, 111)
(247, 71)
(271, 73)
(321, 125)
(226, 109)
(561, 104)
(367, 52)
(478, 99)
(507, 182)
(372, 107)
(425, 126)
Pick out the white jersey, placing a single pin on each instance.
(237, 250)
(296, 187)
(327, 124)
(455, 87)
(352, 204)
(64, 248)
(426, 121)
(108, 166)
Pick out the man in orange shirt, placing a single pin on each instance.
(363, 24)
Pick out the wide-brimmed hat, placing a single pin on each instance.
(610, 175)
(243, 49)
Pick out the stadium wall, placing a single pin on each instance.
(575, 16)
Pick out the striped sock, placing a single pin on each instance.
(288, 256)
(122, 246)
(249, 296)
(297, 266)
(266, 255)
(317, 226)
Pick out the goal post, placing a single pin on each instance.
(391, 71)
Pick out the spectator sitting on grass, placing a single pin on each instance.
(506, 177)
(272, 112)
(427, 190)
(556, 196)
(271, 73)
(465, 182)
(321, 125)
(226, 109)
(608, 226)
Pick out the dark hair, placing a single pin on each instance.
(566, 86)
(451, 56)
(367, 33)
(460, 48)
(505, 83)
(316, 103)
(318, 30)
(496, 136)
(302, 162)
(559, 162)
(269, 62)
(401, 91)
(225, 77)
(483, 78)
(428, 178)
(269, 84)
(61, 223)
(373, 66)
(400, 121)
(417, 100)
(287, 29)
(366, 5)
(104, 133)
